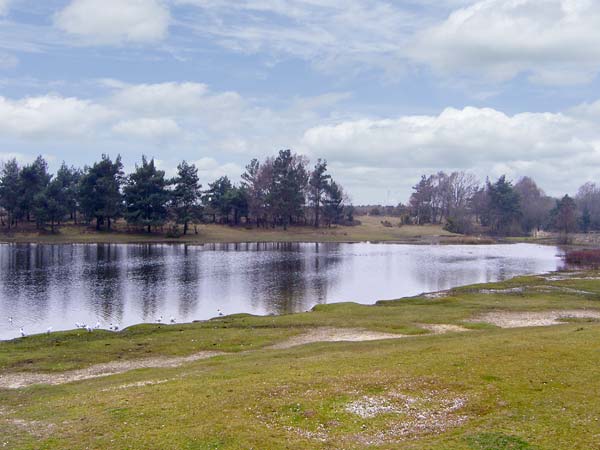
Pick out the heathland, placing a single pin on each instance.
(510, 365)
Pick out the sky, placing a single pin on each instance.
(383, 90)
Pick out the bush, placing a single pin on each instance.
(590, 258)
(459, 225)
(173, 232)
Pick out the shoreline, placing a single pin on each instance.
(431, 295)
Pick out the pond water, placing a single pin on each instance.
(56, 286)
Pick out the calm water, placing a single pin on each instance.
(59, 285)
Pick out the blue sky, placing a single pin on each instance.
(384, 90)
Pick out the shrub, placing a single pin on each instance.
(584, 257)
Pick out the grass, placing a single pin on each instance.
(525, 388)
(370, 229)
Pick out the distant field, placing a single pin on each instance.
(371, 229)
(445, 375)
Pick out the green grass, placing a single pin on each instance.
(525, 388)
(371, 229)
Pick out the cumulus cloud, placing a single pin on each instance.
(376, 159)
(148, 128)
(553, 41)
(560, 149)
(174, 99)
(50, 116)
(115, 21)
(550, 41)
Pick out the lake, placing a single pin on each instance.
(59, 285)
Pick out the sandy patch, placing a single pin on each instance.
(135, 385)
(514, 319)
(442, 328)
(515, 290)
(546, 288)
(434, 295)
(19, 380)
(336, 335)
(429, 412)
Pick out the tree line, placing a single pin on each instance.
(280, 191)
(461, 203)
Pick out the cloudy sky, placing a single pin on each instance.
(384, 90)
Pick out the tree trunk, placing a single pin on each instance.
(149, 229)
(108, 223)
(185, 227)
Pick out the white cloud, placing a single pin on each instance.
(365, 34)
(174, 99)
(561, 149)
(115, 21)
(50, 116)
(553, 41)
(209, 169)
(550, 41)
(148, 128)
(371, 157)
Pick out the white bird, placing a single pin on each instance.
(22, 332)
(77, 325)
(220, 312)
(97, 325)
(116, 327)
(49, 330)
(172, 320)
(10, 320)
(160, 319)
(89, 329)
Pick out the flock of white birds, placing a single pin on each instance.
(112, 326)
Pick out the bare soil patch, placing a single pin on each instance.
(442, 328)
(20, 380)
(335, 335)
(516, 319)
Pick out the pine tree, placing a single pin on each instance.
(10, 190)
(146, 196)
(317, 186)
(100, 191)
(287, 192)
(33, 180)
(186, 195)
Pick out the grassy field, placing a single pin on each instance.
(482, 388)
(371, 229)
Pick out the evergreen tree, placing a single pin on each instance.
(33, 180)
(100, 191)
(218, 197)
(334, 203)
(51, 204)
(318, 185)
(288, 186)
(237, 198)
(186, 195)
(504, 205)
(69, 178)
(146, 196)
(10, 190)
